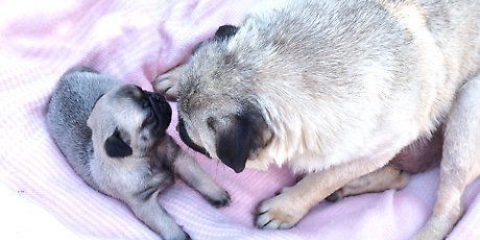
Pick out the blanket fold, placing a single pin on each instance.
(134, 41)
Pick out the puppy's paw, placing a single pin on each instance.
(219, 199)
(279, 212)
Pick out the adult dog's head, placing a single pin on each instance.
(219, 113)
(128, 121)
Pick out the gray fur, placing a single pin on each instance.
(68, 111)
(114, 137)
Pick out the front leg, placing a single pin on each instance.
(285, 210)
(167, 83)
(192, 173)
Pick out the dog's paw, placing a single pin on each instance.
(219, 199)
(167, 84)
(279, 212)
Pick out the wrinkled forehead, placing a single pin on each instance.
(119, 102)
(124, 94)
(128, 91)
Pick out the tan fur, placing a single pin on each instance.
(342, 87)
(130, 178)
(383, 179)
(114, 137)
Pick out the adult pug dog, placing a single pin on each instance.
(114, 137)
(336, 89)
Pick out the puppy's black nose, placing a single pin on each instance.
(160, 107)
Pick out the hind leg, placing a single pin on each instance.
(459, 165)
(383, 179)
(417, 157)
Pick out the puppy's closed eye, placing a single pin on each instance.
(116, 147)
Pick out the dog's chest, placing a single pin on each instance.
(119, 176)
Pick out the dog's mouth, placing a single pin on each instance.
(187, 140)
(159, 112)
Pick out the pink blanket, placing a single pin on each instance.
(134, 41)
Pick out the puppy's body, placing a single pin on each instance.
(69, 109)
(114, 137)
(337, 89)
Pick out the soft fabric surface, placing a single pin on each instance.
(134, 41)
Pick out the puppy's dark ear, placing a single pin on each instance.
(225, 31)
(238, 137)
(116, 147)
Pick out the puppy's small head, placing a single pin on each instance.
(129, 121)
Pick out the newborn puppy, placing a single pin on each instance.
(114, 137)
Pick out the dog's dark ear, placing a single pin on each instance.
(238, 137)
(233, 140)
(116, 147)
(225, 31)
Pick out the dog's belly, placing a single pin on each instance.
(420, 155)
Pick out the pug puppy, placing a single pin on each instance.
(335, 90)
(114, 137)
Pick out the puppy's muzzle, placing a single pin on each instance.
(161, 114)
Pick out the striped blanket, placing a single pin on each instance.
(41, 197)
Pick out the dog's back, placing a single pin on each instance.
(342, 55)
(68, 111)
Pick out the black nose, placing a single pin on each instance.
(161, 108)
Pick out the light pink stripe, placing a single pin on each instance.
(134, 41)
